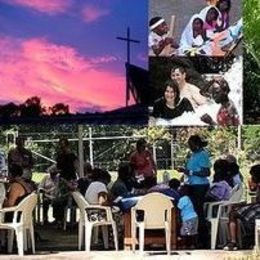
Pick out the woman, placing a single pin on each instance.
(18, 189)
(210, 16)
(224, 8)
(227, 114)
(193, 35)
(196, 173)
(171, 105)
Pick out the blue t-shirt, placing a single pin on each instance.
(186, 207)
(196, 163)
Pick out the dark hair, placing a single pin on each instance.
(180, 68)
(224, 85)
(125, 171)
(100, 174)
(255, 173)
(154, 20)
(174, 183)
(174, 85)
(65, 140)
(214, 10)
(140, 143)
(196, 139)
(228, 3)
(16, 170)
(221, 168)
(184, 190)
(199, 19)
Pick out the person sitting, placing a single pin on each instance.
(224, 7)
(234, 172)
(170, 189)
(220, 189)
(18, 188)
(189, 218)
(158, 38)
(227, 114)
(210, 16)
(171, 105)
(48, 187)
(97, 193)
(247, 214)
(193, 37)
(84, 181)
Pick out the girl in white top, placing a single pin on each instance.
(193, 35)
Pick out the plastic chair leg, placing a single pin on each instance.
(32, 238)
(80, 236)
(10, 241)
(168, 239)
(115, 236)
(214, 232)
(88, 232)
(19, 239)
(105, 236)
(141, 238)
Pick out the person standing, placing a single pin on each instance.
(142, 162)
(22, 157)
(196, 171)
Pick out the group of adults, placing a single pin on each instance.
(207, 32)
(180, 97)
(138, 177)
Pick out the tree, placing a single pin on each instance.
(9, 110)
(32, 107)
(59, 109)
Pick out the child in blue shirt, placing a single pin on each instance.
(189, 218)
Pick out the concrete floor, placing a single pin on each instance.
(60, 244)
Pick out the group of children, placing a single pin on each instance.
(207, 33)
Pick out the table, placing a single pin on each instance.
(151, 236)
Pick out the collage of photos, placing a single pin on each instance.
(200, 82)
(130, 129)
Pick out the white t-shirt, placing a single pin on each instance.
(154, 39)
(93, 190)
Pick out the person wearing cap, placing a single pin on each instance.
(158, 37)
(48, 187)
(196, 172)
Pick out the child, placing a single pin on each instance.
(189, 218)
(158, 38)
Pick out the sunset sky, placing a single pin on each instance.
(67, 51)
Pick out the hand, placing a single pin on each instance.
(180, 169)
(206, 118)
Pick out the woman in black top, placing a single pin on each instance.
(171, 105)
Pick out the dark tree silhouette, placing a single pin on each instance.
(9, 110)
(32, 107)
(59, 109)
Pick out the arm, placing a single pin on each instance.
(16, 191)
(158, 48)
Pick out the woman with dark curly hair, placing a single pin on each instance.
(171, 105)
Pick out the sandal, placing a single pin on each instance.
(230, 246)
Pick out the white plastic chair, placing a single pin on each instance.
(84, 221)
(257, 234)
(157, 215)
(21, 224)
(214, 211)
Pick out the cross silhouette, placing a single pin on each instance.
(128, 41)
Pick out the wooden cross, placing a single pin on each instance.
(128, 41)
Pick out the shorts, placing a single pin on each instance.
(189, 227)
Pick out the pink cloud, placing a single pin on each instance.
(92, 13)
(56, 73)
(43, 6)
(104, 59)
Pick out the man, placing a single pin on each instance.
(187, 90)
(22, 157)
(158, 38)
